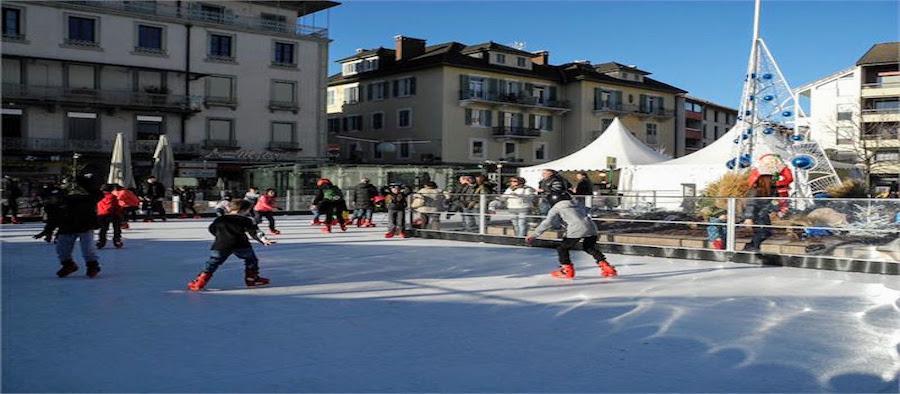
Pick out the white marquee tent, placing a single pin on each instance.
(616, 142)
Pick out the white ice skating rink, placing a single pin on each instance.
(353, 312)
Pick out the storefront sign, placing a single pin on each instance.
(197, 172)
(243, 155)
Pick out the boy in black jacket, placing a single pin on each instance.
(395, 200)
(77, 222)
(231, 232)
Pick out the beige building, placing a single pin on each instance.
(229, 83)
(705, 122)
(466, 104)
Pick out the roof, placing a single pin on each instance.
(582, 71)
(493, 46)
(614, 66)
(886, 52)
(302, 7)
(707, 102)
(828, 78)
(380, 51)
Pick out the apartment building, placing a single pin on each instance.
(230, 83)
(464, 104)
(854, 114)
(705, 122)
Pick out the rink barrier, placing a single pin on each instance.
(859, 246)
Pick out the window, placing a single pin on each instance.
(404, 118)
(716, 131)
(477, 149)
(405, 150)
(12, 123)
(219, 129)
(12, 71)
(284, 54)
(377, 153)
(82, 31)
(716, 116)
(405, 87)
(845, 112)
(283, 131)
(520, 61)
(150, 38)
(542, 122)
(351, 95)
(611, 162)
(478, 117)
(353, 123)
(219, 88)
(334, 125)
(220, 46)
(540, 150)
(604, 124)
(887, 156)
(82, 125)
(149, 128)
(80, 78)
(510, 150)
(377, 91)
(500, 58)
(330, 96)
(378, 121)
(476, 88)
(284, 92)
(845, 135)
(12, 23)
(359, 66)
(651, 134)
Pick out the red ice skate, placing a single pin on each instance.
(15, 220)
(124, 226)
(404, 234)
(182, 216)
(315, 222)
(201, 281)
(389, 234)
(343, 226)
(252, 279)
(607, 270)
(565, 271)
(275, 231)
(369, 223)
(326, 229)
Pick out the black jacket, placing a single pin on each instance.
(396, 202)
(154, 191)
(320, 196)
(363, 194)
(78, 208)
(584, 188)
(554, 185)
(231, 232)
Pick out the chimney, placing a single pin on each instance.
(541, 57)
(408, 47)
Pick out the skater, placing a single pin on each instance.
(579, 226)
(468, 202)
(129, 204)
(10, 205)
(551, 188)
(330, 202)
(108, 213)
(51, 197)
(77, 222)
(519, 198)
(222, 206)
(428, 202)
(265, 207)
(583, 189)
(231, 232)
(188, 198)
(252, 196)
(758, 209)
(363, 203)
(154, 194)
(395, 200)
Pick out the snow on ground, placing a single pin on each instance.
(354, 312)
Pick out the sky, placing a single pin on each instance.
(699, 46)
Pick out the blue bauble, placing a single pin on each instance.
(747, 112)
(745, 136)
(737, 140)
(768, 97)
(730, 164)
(797, 137)
(769, 131)
(787, 113)
(752, 97)
(767, 76)
(803, 162)
(746, 161)
(753, 75)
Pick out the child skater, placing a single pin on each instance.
(231, 232)
(579, 226)
(395, 200)
(265, 207)
(109, 212)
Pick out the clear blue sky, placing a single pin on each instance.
(699, 46)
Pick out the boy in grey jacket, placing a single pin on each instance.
(579, 226)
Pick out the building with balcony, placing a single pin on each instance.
(704, 122)
(75, 73)
(854, 114)
(464, 104)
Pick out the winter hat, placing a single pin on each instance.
(323, 182)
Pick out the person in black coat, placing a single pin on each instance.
(330, 201)
(758, 209)
(77, 222)
(552, 189)
(154, 194)
(363, 204)
(51, 198)
(11, 193)
(584, 188)
(395, 201)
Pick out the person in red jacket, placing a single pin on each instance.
(128, 202)
(265, 206)
(109, 212)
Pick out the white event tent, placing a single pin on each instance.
(616, 142)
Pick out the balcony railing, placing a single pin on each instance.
(604, 106)
(516, 132)
(284, 145)
(220, 144)
(191, 12)
(88, 146)
(878, 85)
(513, 98)
(109, 98)
(881, 135)
(881, 111)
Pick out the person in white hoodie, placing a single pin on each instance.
(579, 226)
(519, 199)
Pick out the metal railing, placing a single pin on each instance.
(516, 132)
(213, 144)
(877, 85)
(88, 146)
(114, 98)
(191, 12)
(513, 98)
(894, 110)
(631, 108)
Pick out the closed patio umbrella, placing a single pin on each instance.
(164, 163)
(120, 171)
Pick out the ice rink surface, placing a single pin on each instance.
(353, 312)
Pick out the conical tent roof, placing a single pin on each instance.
(617, 142)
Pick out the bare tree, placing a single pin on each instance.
(859, 141)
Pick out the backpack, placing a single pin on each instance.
(332, 193)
